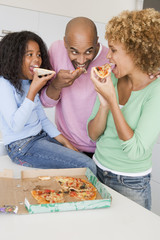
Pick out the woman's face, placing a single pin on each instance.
(123, 61)
(31, 59)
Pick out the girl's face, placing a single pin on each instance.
(31, 59)
(124, 64)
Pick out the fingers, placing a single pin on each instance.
(76, 73)
(154, 76)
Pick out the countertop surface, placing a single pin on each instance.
(123, 220)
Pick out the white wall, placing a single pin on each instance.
(97, 10)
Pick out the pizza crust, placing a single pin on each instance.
(44, 178)
(42, 71)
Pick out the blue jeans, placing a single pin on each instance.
(136, 188)
(42, 151)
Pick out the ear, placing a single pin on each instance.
(97, 40)
(65, 43)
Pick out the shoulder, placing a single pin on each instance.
(57, 45)
(4, 82)
(154, 88)
(105, 49)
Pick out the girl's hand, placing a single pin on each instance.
(37, 84)
(60, 138)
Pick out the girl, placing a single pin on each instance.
(125, 120)
(29, 137)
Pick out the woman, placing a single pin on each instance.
(29, 137)
(125, 120)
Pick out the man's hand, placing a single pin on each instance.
(64, 78)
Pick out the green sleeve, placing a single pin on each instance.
(148, 128)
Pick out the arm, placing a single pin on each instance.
(49, 128)
(60, 138)
(64, 78)
(97, 125)
(14, 112)
(107, 91)
(147, 128)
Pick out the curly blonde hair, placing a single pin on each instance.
(139, 32)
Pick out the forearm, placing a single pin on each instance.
(97, 125)
(53, 92)
(123, 129)
(64, 141)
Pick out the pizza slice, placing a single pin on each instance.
(42, 71)
(46, 196)
(65, 182)
(75, 184)
(103, 71)
(84, 195)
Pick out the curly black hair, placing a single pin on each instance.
(12, 50)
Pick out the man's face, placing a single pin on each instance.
(82, 49)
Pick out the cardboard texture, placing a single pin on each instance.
(17, 192)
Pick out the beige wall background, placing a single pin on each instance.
(98, 10)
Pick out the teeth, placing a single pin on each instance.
(81, 65)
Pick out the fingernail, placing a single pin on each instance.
(151, 76)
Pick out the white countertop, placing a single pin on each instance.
(123, 220)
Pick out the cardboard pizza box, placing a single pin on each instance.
(17, 192)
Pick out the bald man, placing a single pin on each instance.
(72, 92)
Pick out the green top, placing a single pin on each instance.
(142, 113)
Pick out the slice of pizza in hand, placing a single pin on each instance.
(103, 71)
(42, 71)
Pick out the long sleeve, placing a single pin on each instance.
(47, 125)
(147, 129)
(45, 100)
(15, 115)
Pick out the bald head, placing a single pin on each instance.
(81, 25)
(81, 41)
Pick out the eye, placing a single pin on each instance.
(28, 54)
(74, 52)
(39, 55)
(113, 50)
(89, 52)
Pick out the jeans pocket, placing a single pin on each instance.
(137, 183)
(18, 146)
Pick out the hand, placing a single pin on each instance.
(154, 76)
(66, 78)
(37, 84)
(104, 87)
(60, 138)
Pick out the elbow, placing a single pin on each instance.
(16, 128)
(93, 138)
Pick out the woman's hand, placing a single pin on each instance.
(60, 138)
(104, 87)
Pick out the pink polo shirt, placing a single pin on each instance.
(76, 102)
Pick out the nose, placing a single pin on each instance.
(36, 60)
(81, 59)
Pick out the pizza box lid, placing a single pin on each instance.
(17, 192)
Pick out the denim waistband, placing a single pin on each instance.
(27, 140)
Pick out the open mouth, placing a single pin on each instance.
(31, 68)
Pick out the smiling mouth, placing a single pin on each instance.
(31, 68)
